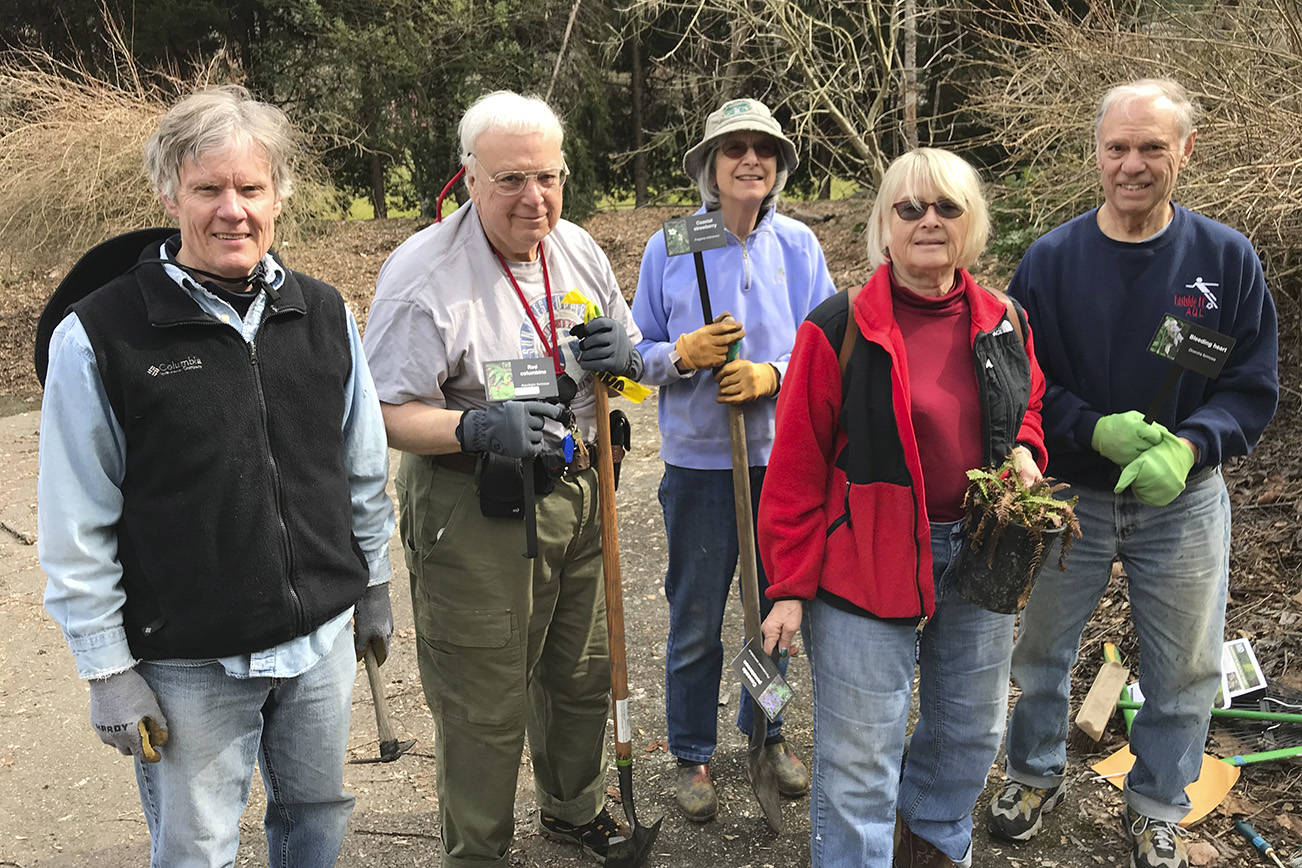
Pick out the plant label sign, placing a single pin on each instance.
(695, 233)
(1189, 346)
(761, 678)
(510, 379)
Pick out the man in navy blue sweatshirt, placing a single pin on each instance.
(1097, 289)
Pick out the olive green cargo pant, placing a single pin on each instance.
(507, 644)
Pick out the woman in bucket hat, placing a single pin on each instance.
(768, 275)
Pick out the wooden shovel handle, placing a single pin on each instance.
(610, 569)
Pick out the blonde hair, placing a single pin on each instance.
(949, 176)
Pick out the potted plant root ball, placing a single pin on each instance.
(1010, 527)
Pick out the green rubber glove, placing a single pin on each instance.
(1157, 475)
(1122, 437)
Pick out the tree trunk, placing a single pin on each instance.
(639, 136)
(378, 201)
(910, 84)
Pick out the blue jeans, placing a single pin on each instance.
(863, 680)
(296, 729)
(1177, 559)
(701, 532)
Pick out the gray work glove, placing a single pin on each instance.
(512, 428)
(606, 346)
(373, 622)
(125, 714)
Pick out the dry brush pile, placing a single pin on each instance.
(1242, 62)
(71, 172)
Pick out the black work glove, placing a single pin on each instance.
(606, 346)
(373, 622)
(512, 428)
(125, 714)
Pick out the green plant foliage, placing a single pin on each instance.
(997, 497)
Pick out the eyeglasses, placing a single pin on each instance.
(735, 149)
(910, 211)
(512, 183)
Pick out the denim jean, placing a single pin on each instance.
(1177, 561)
(863, 679)
(295, 729)
(701, 533)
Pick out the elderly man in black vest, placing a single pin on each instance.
(212, 506)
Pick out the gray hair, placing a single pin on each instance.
(213, 119)
(505, 111)
(709, 186)
(1154, 89)
(948, 175)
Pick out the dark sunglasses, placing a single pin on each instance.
(737, 148)
(910, 211)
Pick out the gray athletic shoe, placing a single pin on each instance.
(1154, 843)
(1015, 814)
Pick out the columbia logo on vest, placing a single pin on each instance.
(179, 366)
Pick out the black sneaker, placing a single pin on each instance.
(596, 836)
(1016, 813)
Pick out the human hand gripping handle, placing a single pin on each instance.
(781, 626)
(1122, 437)
(741, 381)
(373, 622)
(605, 346)
(125, 715)
(707, 347)
(1157, 476)
(512, 428)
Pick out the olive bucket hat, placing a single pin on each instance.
(733, 116)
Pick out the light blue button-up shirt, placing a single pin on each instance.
(79, 496)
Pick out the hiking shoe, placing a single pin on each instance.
(696, 794)
(793, 777)
(1154, 843)
(914, 852)
(1015, 814)
(596, 836)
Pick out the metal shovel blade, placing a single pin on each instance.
(634, 850)
(761, 774)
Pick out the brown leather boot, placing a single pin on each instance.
(696, 794)
(793, 777)
(913, 852)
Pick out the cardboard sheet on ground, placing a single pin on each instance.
(1205, 793)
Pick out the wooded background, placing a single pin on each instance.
(378, 85)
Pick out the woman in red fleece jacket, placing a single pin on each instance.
(861, 520)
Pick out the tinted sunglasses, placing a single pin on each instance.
(735, 149)
(910, 211)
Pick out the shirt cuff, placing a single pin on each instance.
(379, 567)
(101, 654)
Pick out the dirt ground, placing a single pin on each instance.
(67, 800)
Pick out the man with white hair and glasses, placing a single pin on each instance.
(1097, 289)
(507, 644)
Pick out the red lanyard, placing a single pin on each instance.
(551, 316)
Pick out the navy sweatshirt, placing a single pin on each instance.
(1095, 305)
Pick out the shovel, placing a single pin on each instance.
(633, 850)
(390, 747)
(762, 775)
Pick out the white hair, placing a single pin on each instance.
(1152, 89)
(505, 111)
(944, 172)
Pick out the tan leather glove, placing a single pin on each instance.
(707, 347)
(741, 381)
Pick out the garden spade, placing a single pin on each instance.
(762, 775)
(633, 850)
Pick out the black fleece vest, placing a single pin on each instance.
(236, 529)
